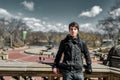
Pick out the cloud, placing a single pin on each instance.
(43, 22)
(58, 27)
(20, 14)
(92, 13)
(61, 27)
(31, 19)
(59, 24)
(40, 25)
(115, 12)
(37, 24)
(88, 27)
(33, 23)
(28, 5)
(5, 13)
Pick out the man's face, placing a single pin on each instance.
(73, 31)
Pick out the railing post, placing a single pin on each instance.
(50, 77)
(109, 76)
(21, 78)
(58, 78)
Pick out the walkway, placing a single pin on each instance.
(19, 56)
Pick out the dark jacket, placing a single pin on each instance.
(73, 49)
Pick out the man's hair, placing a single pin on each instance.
(74, 24)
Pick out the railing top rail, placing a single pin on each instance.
(115, 70)
(32, 66)
(24, 66)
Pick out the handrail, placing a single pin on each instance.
(43, 70)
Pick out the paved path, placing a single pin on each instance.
(20, 56)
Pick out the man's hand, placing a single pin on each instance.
(55, 70)
(88, 69)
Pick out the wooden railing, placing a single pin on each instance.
(22, 69)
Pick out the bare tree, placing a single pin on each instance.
(12, 29)
(111, 24)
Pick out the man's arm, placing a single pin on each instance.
(110, 53)
(58, 55)
(86, 54)
(87, 58)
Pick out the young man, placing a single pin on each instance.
(73, 48)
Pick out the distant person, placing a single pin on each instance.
(73, 49)
(1, 78)
(40, 59)
(114, 51)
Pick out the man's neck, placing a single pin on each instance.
(74, 37)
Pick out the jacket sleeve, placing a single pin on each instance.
(110, 53)
(86, 54)
(59, 54)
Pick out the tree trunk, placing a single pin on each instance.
(11, 41)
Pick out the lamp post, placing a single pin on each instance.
(24, 36)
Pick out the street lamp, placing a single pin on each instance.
(24, 36)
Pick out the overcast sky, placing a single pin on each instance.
(55, 15)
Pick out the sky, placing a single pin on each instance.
(55, 15)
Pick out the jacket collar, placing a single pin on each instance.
(73, 40)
